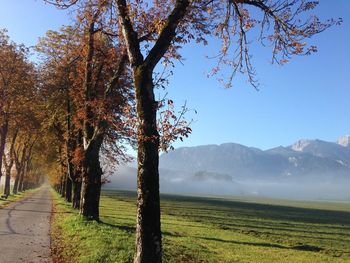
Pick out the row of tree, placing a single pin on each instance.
(19, 121)
(94, 90)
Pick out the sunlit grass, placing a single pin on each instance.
(210, 230)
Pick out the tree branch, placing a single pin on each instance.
(130, 35)
(113, 83)
(167, 34)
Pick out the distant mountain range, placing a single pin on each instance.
(304, 158)
(313, 169)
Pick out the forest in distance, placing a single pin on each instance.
(73, 105)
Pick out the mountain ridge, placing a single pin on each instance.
(317, 170)
(303, 157)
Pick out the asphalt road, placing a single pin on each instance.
(24, 229)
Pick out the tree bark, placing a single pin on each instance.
(63, 189)
(21, 179)
(68, 189)
(3, 133)
(9, 161)
(25, 184)
(91, 184)
(7, 181)
(70, 146)
(77, 174)
(15, 185)
(76, 194)
(148, 229)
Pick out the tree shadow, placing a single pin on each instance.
(266, 211)
(302, 247)
(257, 244)
(27, 210)
(62, 212)
(307, 248)
(121, 227)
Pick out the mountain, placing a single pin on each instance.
(344, 141)
(313, 169)
(304, 158)
(229, 158)
(330, 150)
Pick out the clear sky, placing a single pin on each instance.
(307, 98)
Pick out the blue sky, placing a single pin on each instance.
(307, 98)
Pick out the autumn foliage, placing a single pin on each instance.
(93, 92)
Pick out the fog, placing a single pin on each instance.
(310, 187)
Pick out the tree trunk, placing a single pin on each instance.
(63, 190)
(15, 185)
(91, 169)
(3, 133)
(91, 184)
(148, 229)
(76, 194)
(21, 179)
(70, 146)
(68, 189)
(19, 163)
(25, 185)
(7, 181)
(77, 174)
(8, 161)
(60, 187)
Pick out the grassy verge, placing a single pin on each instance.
(207, 230)
(75, 240)
(13, 198)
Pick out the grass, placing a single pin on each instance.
(208, 230)
(12, 198)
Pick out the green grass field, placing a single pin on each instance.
(199, 229)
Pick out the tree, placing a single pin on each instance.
(17, 85)
(170, 24)
(8, 163)
(28, 126)
(59, 54)
(88, 73)
(100, 89)
(21, 157)
(156, 31)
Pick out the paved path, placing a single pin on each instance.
(24, 229)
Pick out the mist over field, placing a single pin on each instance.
(308, 169)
